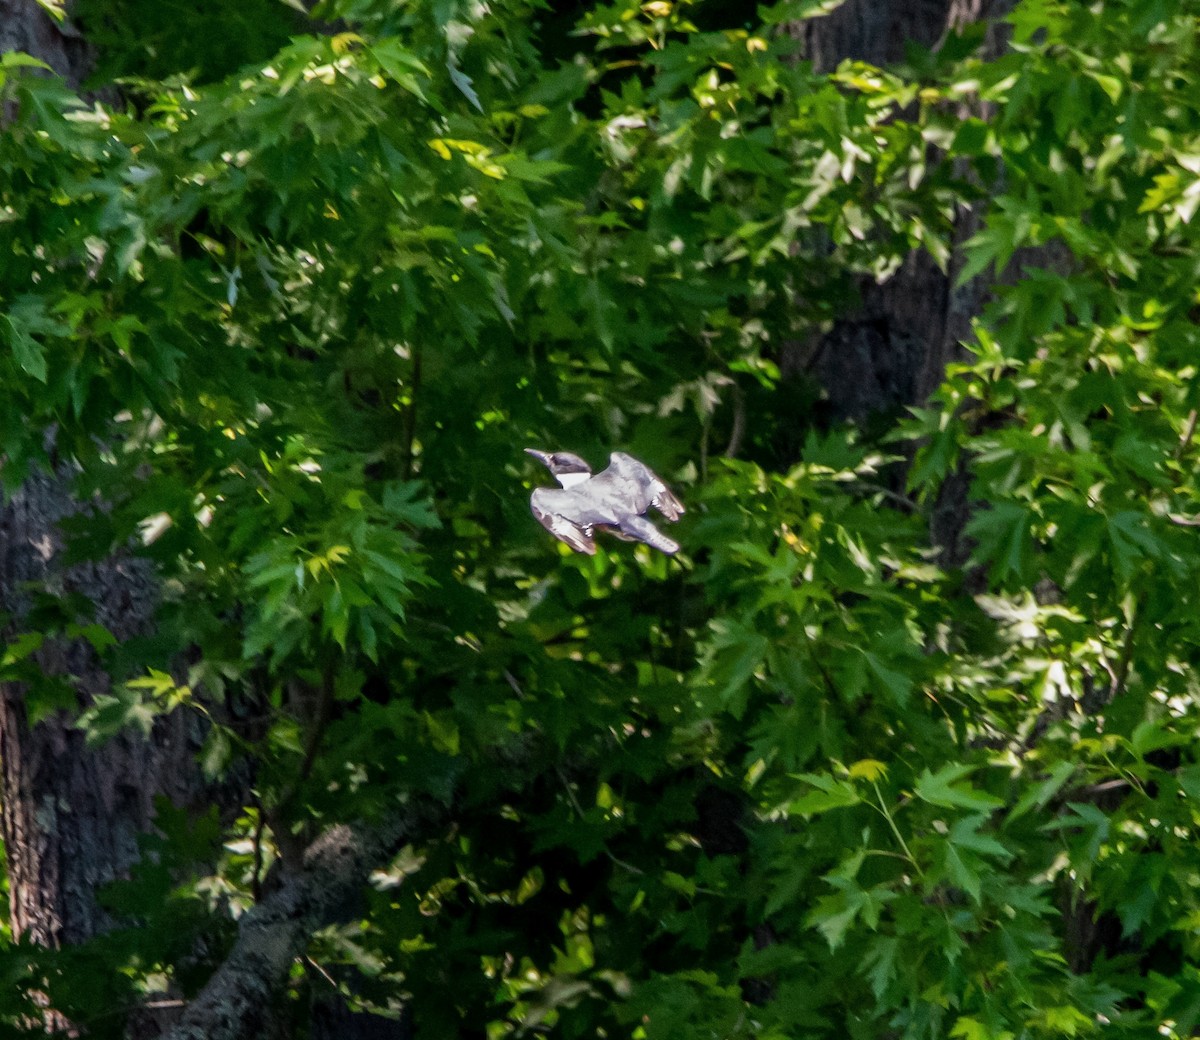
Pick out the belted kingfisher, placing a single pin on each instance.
(615, 501)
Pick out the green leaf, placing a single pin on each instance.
(829, 794)
(945, 789)
(788, 11)
(965, 834)
(867, 769)
(880, 961)
(1003, 532)
(1131, 541)
(110, 714)
(968, 1028)
(834, 914)
(216, 752)
(1039, 791)
(463, 82)
(897, 684)
(963, 872)
(29, 353)
(400, 64)
(19, 59)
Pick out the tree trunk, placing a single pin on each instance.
(872, 31)
(71, 814)
(894, 349)
(24, 26)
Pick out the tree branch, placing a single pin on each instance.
(739, 422)
(240, 1001)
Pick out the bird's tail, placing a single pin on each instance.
(644, 531)
(668, 504)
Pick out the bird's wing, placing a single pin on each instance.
(642, 530)
(658, 493)
(578, 538)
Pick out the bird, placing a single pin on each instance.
(615, 501)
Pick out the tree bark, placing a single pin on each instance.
(24, 26)
(238, 1001)
(872, 31)
(893, 350)
(71, 814)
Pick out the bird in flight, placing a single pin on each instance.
(615, 500)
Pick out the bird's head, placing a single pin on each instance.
(567, 468)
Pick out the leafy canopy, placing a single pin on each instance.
(293, 322)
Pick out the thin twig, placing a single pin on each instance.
(320, 724)
(1106, 786)
(739, 422)
(579, 812)
(256, 874)
(896, 497)
(830, 685)
(1189, 431)
(312, 747)
(882, 807)
(1121, 673)
(410, 414)
(321, 971)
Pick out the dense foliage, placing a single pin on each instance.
(820, 775)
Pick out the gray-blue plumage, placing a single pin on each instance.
(615, 500)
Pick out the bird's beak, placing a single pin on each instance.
(542, 456)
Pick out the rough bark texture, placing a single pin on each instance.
(240, 999)
(24, 26)
(70, 814)
(867, 30)
(875, 32)
(893, 350)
